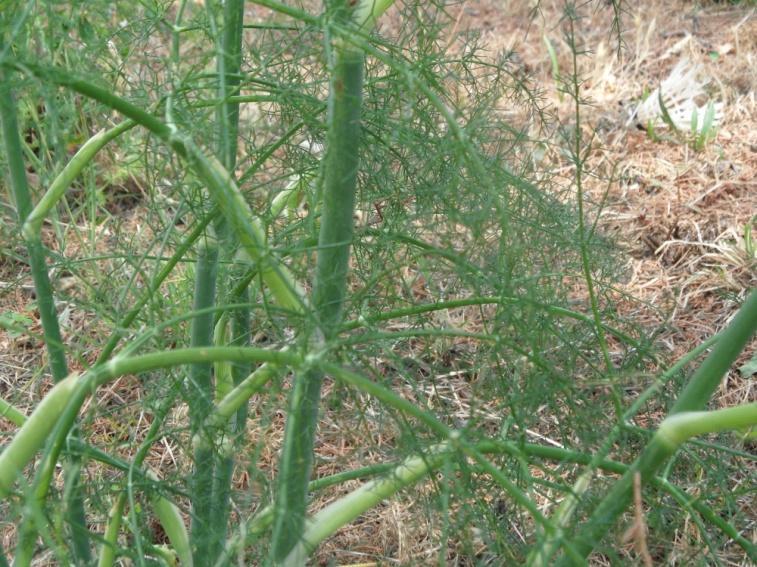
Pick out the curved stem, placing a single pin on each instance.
(223, 189)
(56, 431)
(82, 158)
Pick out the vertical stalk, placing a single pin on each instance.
(233, 433)
(579, 159)
(228, 65)
(200, 400)
(200, 379)
(329, 287)
(693, 398)
(214, 467)
(22, 198)
(74, 510)
(229, 62)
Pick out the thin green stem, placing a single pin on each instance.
(578, 162)
(399, 403)
(109, 546)
(367, 321)
(147, 480)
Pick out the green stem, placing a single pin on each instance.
(76, 446)
(229, 62)
(110, 538)
(335, 238)
(680, 427)
(399, 403)
(368, 11)
(351, 506)
(33, 223)
(578, 161)
(198, 231)
(22, 198)
(164, 509)
(263, 519)
(33, 433)
(74, 509)
(170, 518)
(693, 398)
(565, 511)
(181, 250)
(56, 431)
(502, 300)
(236, 400)
(200, 400)
(11, 413)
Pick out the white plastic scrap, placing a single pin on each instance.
(685, 83)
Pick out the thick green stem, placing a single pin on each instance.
(11, 413)
(74, 510)
(236, 400)
(110, 538)
(200, 401)
(82, 158)
(329, 287)
(680, 427)
(229, 62)
(33, 433)
(349, 507)
(173, 524)
(693, 398)
(22, 198)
